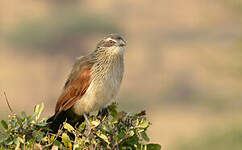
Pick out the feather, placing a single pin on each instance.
(75, 86)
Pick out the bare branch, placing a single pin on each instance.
(6, 98)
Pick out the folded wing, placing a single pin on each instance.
(75, 86)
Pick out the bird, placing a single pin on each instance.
(93, 83)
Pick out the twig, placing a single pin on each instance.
(6, 98)
(60, 130)
(123, 139)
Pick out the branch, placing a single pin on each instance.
(60, 131)
(6, 98)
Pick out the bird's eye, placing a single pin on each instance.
(110, 42)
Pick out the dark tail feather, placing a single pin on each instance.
(55, 122)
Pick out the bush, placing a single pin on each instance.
(119, 130)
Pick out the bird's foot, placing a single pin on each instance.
(89, 126)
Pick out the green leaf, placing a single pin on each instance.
(106, 127)
(104, 137)
(13, 122)
(4, 124)
(144, 124)
(40, 136)
(57, 143)
(95, 123)
(66, 140)
(38, 110)
(132, 140)
(131, 133)
(122, 134)
(9, 141)
(16, 142)
(76, 147)
(113, 111)
(81, 127)
(145, 136)
(19, 119)
(2, 139)
(25, 124)
(68, 127)
(153, 147)
(52, 138)
(21, 140)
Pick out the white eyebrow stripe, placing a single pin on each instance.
(111, 39)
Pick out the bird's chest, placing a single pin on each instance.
(106, 86)
(103, 88)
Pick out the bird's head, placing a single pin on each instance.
(113, 43)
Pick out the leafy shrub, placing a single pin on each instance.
(118, 130)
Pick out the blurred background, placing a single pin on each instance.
(182, 63)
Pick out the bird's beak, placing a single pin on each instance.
(122, 43)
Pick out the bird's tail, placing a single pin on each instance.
(55, 122)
